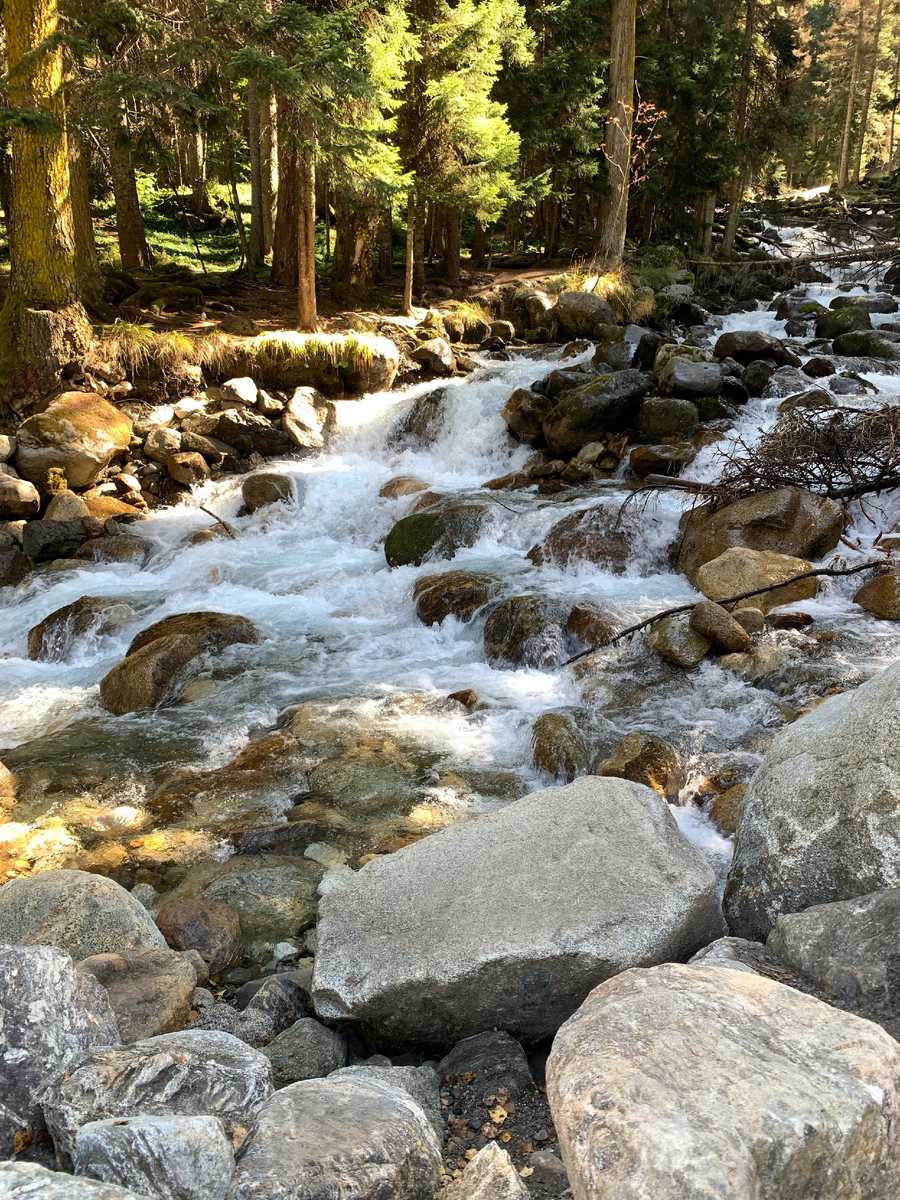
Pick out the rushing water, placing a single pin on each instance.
(340, 626)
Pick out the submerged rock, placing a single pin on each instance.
(213, 630)
(167, 1157)
(707, 1081)
(460, 593)
(329, 1137)
(266, 487)
(51, 1012)
(591, 535)
(402, 945)
(437, 533)
(51, 639)
(820, 822)
(193, 1073)
(81, 913)
(526, 631)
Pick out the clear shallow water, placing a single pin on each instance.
(340, 626)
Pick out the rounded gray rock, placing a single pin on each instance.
(28, 1181)
(307, 1050)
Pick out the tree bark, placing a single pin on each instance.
(709, 219)
(479, 247)
(844, 164)
(617, 146)
(386, 244)
(451, 243)
(268, 147)
(867, 98)
(193, 141)
(410, 253)
(257, 224)
(287, 234)
(307, 317)
(419, 257)
(896, 82)
(736, 187)
(89, 279)
(133, 248)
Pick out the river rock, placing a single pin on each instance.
(526, 631)
(434, 534)
(211, 928)
(161, 443)
(274, 1008)
(437, 355)
(19, 499)
(122, 548)
(727, 808)
(489, 1176)
(578, 312)
(525, 412)
(275, 898)
(819, 823)
(323, 1138)
(595, 877)
(241, 390)
(422, 1083)
(590, 535)
(194, 1073)
(44, 540)
(402, 485)
(558, 746)
(170, 1158)
(865, 343)
(148, 677)
(842, 320)
(738, 570)
(849, 949)
(700, 1080)
(717, 625)
(213, 630)
(307, 1050)
(647, 760)
(266, 487)
(81, 913)
(881, 596)
(745, 346)
(460, 593)
(675, 640)
(15, 567)
(788, 520)
(50, 1013)
(52, 639)
(606, 405)
(78, 432)
(304, 418)
(65, 506)
(28, 1181)
(879, 303)
(681, 377)
(666, 418)
(187, 468)
(151, 991)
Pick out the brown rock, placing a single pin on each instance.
(19, 499)
(739, 570)
(751, 619)
(717, 625)
(467, 698)
(150, 991)
(881, 596)
(66, 506)
(727, 808)
(266, 487)
(673, 638)
(79, 432)
(436, 355)
(188, 468)
(592, 625)
(147, 676)
(402, 485)
(213, 630)
(647, 760)
(51, 639)
(211, 928)
(558, 747)
(14, 567)
(661, 460)
(122, 548)
(525, 412)
(591, 535)
(104, 507)
(461, 593)
(789, 619)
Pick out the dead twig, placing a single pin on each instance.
(683, 608)
(227, 526)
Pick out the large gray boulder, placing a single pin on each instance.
(28, 1181)
(82, 913)
(306, 1050)
(171, 1158)
(820, 820)
(681, 377)
(594, 878)
(422, 1083)
(195, 1073)
(851, 949)
(49, 1013)
(327, 1138)
(576, 313)
(702, 1081)
(607, 404)
(151, 991)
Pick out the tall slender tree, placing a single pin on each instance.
(613, 219)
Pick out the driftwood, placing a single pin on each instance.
(227, 526)
(885, 483)
(684, 608)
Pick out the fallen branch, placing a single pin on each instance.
(846, 493)
(683, 608)
(229, 529)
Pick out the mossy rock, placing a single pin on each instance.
(79, 433)
(433, 534)
(865, 343)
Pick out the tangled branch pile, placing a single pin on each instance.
(838, 453)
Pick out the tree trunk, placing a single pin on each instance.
(709, 219)
(617, 147)
(286, 237)
(386, 244)
(451, 243)
(410, 253)
(479, 247)
(193, 141)
(133, 248)
(236, 206)
(736, 187)
(89, 280)
(306, 240)
(268, 148)
(257, 224)
(419, 257)
(896, 82)
(844, 164)
(867, 98)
